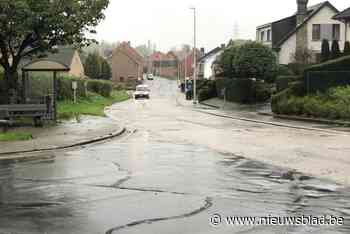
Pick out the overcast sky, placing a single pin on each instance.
(170, 23)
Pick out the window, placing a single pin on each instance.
(336, 32)
(269, 35)
(121, 79)
(262, 36)
(316, 32)
(325, 31)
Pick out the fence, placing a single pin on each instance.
(321, 81)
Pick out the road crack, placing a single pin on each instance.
(207, 205)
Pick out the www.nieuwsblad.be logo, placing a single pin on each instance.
(326, 220)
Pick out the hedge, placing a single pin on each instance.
(102, 87)
(334, 104)
(243, 90)
(278, 101)
(65, 91)
(206, 89)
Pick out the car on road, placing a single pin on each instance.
(150, 77)
(142, 91)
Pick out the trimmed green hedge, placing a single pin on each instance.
(243, 90)
(65, 91)
(206, 89)
(278, 101)
(102, 87)
(333, 104)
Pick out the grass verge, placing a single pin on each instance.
(15, 136)
(94, 105)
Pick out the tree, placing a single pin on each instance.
(96, 67)
(106, 71)
(30, 28)
(335, 52)
(347, 48)
(325, 51)
(226, 61)
(254, 60)
(92, 65)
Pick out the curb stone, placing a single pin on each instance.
(81, 143)
(275, 124)
(305, 119)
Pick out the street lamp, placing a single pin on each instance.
(194, 57)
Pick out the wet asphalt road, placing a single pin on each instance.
(152, 181)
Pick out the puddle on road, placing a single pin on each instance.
(165, 166)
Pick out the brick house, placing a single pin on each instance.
(186, 65)
(127, 64)
(164, 65)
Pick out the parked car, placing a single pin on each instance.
(150, 77)
(142, 91)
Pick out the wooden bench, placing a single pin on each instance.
(36, 111)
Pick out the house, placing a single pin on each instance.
(165, 65)
(186, 65)
(65, 55)
(207, 63)
(303, 32)
(344, 17)
(127, 64)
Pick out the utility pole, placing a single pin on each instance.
(194, 56)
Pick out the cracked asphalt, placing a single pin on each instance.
(156, 178)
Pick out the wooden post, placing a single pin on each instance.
(55, 95)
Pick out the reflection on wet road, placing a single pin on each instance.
(145, 183)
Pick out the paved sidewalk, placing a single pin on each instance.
(67, 134)
(251, 112)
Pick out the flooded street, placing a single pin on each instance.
(159, 178)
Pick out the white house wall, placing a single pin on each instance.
(208, 70)
(287, 51)
(324, 16)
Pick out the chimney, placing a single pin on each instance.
(302, 11)
(223, 46)
(202, 51)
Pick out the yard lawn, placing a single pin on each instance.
(15, 136)
(92, 105)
